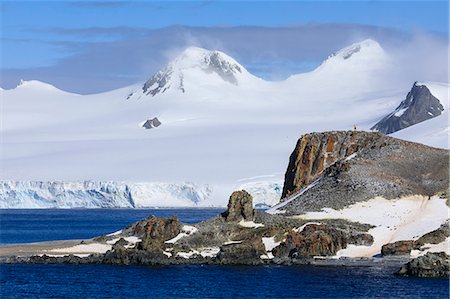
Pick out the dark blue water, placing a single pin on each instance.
(24, 226)
(102, 281)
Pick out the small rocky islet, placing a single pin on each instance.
(329, 170)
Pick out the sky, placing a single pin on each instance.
(94, 46)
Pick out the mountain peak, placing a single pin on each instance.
(35, 85)
(368, 46)
(190, 61)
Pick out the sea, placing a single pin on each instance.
(193, 281)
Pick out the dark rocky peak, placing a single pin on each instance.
(418, 106)
(240, 207)
(152, 123)
(315, 152)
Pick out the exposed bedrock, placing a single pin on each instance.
(157, 231)
(240, 207)
(357, 166)
(314, 152)
(398, 248)
(404, 247)
(319, 240)
(418, 106)
(429, 265)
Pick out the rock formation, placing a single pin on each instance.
(152, 123)
(398, 248)
(157, 231)
(429, 265)
(240, 207)
(316, 151)
(418, 106)
(358, 166)
(319, 240)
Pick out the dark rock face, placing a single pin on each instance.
(382, 166)
(247, 252)
(318, 240)
(429, 265)
(316, 151)
(418, 106)
(398, 248)
(240, 207)
(157, 231)
(435, 237)
(152, 123)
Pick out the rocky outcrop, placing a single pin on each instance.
(248, 251)
(157, 231)
(429, 265)
(418, 106)
(398, 248)
(152, 123)
(316, 151)
(435, 237)
(240, 207)
(358, 166)
(319, 240)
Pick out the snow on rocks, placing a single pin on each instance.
(232, 242)
(83, 248)
(405, 218)
(250, 224)
(186, 230)
(440, 247)
(269, 244)
(301, 228)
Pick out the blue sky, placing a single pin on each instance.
(61, 41)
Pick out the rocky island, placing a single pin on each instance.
(348, 197)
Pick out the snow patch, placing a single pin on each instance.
(84, 248)
(400, 112)
(186, 230)
(406, 218)
(269, 243)
(301, 228)
(250, 224)
(440, 247)
(232, 242)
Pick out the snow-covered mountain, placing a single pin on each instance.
(193, 68)
(220, 125)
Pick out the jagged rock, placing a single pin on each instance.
(120, 244)
(381, 166)
(316, 151)
(240, 207)
(157, 231)
(152, 123)
(435, 237)
(398, 248)
(247, 252)
(418, 106)
(429, 265)
(318, 240)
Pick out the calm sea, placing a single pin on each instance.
(101, 281)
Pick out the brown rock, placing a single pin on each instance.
(157, 231)
(247, 252)
(316, 151)
(318, 240)
(398, 248)
(240, 207)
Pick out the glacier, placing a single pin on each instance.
(98, 194)
(111, 194)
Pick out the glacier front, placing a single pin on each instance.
(101, 194)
